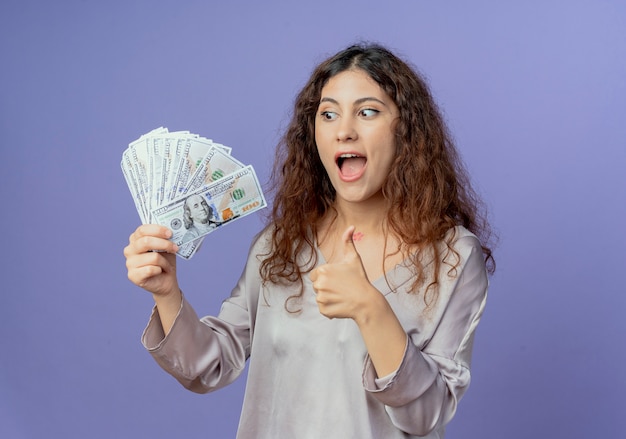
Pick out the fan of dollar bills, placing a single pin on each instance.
(190, 184)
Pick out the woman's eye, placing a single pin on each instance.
(329, 115)
(369, 112)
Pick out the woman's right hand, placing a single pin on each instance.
(151, 260)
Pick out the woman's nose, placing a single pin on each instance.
(346, 130)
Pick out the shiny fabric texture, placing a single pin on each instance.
(311, 377)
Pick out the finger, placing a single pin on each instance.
(147, 243)
(151, 230)
(351, 254)
(348, 242)
(140, 275)
(166, 262)
(147, 259)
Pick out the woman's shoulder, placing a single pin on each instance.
(460, 238)
(464, 245)
(261, 242)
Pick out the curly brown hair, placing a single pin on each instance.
(428, 187)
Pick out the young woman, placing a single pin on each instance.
(359, 301)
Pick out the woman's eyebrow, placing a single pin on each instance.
(368, 98)
(331, 100)
(357, 102)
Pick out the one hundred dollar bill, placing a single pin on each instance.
(202, 211)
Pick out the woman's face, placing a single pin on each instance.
(354, 133)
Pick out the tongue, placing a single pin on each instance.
(352, 166)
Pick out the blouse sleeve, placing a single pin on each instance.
(208, 353)
(424, 392)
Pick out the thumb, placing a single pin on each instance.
(348, 242)
(350, 253)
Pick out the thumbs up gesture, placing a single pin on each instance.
(344, 291)
(342, 288)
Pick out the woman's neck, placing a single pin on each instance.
(368, 217)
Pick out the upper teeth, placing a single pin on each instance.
(348, 156)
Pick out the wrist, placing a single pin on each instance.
(374, 308)
(171, 298)
(169, 306)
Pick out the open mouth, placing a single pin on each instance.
(351, 165)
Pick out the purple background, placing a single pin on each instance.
(535, 93)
